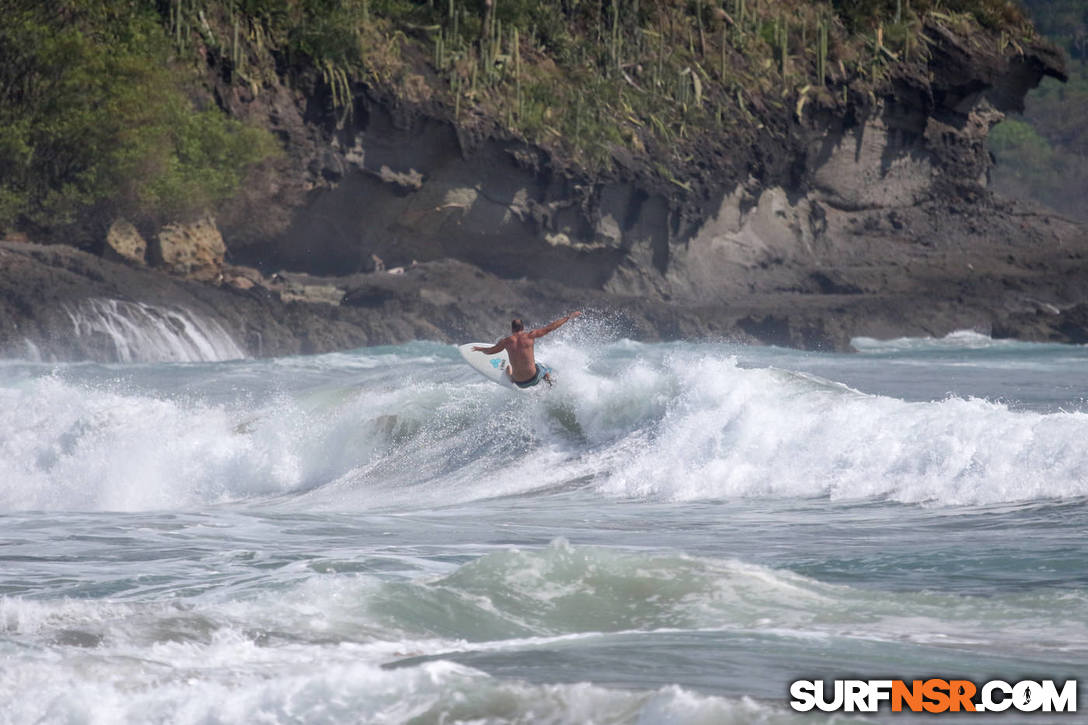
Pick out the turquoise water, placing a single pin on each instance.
(672, 534)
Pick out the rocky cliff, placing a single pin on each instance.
(858, 207)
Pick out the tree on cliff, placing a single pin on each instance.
(1044, 153)
(95, 122)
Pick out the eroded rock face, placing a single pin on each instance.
(754, 242)
(810, 230)
(190, 249)
(242, 278)
(407, 186)
(413, 196)
(124, 242)
(927, 133)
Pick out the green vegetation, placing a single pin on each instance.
(95, 122)
(1065, 22)
(1043, 154)
(97, 117)
(583, 78)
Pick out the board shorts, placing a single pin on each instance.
(541, 371)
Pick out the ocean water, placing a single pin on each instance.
(673, 533)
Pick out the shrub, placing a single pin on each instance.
(95, 122)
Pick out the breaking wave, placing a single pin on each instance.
(367, 430)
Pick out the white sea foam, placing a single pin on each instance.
(66, 447)
(140, 332)
(97, 690)
(513, 599)
(668, 423)
(332, 648)
(735, 432)
(314, 651)
(958, 340)
(405, 603)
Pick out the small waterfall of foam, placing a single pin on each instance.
(33, 353)
(141, 332)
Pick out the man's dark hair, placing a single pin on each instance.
(516, 325)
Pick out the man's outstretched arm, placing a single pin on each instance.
(497, 347)
(542, 331)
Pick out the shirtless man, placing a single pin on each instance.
(524, 371)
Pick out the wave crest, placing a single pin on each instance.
(666, 422)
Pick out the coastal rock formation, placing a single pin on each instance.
(882, 192)
(58, 303)
(862, 211)
(124, 242)
(242, 278)
(190, 249)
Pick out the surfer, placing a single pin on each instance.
(524, 371)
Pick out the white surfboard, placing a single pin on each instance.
(492, 367)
